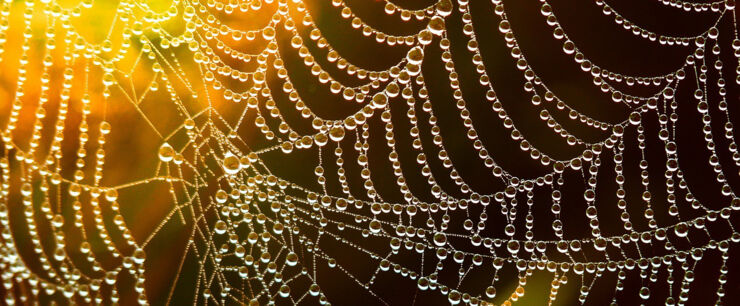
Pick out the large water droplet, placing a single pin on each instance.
(220, 227)
(336, 133)
(231, 164)
(415, 55)
(166, 153)
(440, 239)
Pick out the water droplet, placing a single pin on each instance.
(415, 56)
(291, 259)
(220, 227)
(681, 229)
(644, 293)
(380, 100)
(444, 8)
(375, 226)
(231, 164)
(436, 25)
(504, 26)
(336, 133)
(286, 147)
(423, 283)
(166, 153)
(490, 292)
(440, 239)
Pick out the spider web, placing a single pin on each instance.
(264, 162)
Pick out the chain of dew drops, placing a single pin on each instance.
(267, 230)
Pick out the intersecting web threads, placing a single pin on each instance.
(294, 171)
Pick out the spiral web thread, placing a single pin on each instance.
(257, 237)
